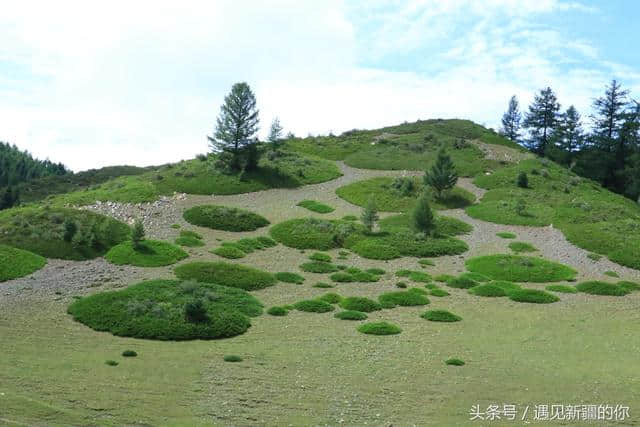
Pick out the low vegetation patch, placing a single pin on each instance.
(350, 315)
(629, 286)
(521, 247)
(323, 285)
(240, 248)
(532, 296)
(331, 298)
(565, 289)
(318, 267)
(462, 283)
(481, 278)
(232, 358)
(439, 292)
(290, 277)
(320, 257)
(129, 353)
(277, 310)
(229, 252)
(596, 287)
(379, 328)
(506, 235)
(226, 274)
(363, 304)
(440, 316)
(354, 275)
(487, 290)
(224, 218)
(426, 262)
(415, 276)
(15, 263)
(611, 274)
(402, 298)
(520, 268)
(149, 253)
(190, 239)
(313, 233)
(313, 306)
(314, 206)
(505, 285)
(169, 310)
(443, 278)
(454, 362)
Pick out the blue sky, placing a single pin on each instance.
(141, 82)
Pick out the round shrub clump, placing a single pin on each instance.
(157, 309)
(360, 304)
(562, 289)
(444, 278)
(379, 328)
(373, 250)
(226, 274)
(323, 285)
(629, 286)
(601, 288)
(224, 218)
(462, 283)
(517, 268)
(318, 267)
(476, 276)
(129, 353)
(313, 233)
(331, 298)
(313, 306)
(290, 277)
(232, 358)
(426, 262)
(376, 271)
(534, 296)
(111, 363)
(190, 239)
(439, 293)
(401, 285)
(15, 263)
(454, 362)
(440, 316)
(402, 298)
(350, 315)
(505, 285)
(277, 310)
(521, 247)
(320, 256)
(229, 252)
(487, 290)
(506, 235)
(150, 253)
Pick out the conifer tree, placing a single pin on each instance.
(422, 216)
(275, 134)
(137, 234)
(569, 134)
(541, 120)
(442, 176)
(511, 120)
(369, 215)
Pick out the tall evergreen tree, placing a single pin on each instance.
(275, 134)
(511, 120)
(236, 127)
(443, 175)
(422, 216)
(569, 136)
(369, 215)
(541, 120)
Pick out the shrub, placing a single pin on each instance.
(476, 276)
(611, 274)
(354, 276)
(190, 239)
(601, 288)
(371, 249)
(505, 285)
(15, 263)
(462, 283)
(487, 290)
(313, 306)
(532, 296)
(195, 311)
(129, 353)
(222, 273)
(312, 233)
(224, 218)
(379, 328)
(290, 278)
(322, 285)
(137, 235)
(439, 293)
(519, 268)
(523, 180)
(521, 247)
(426, 262)
(156, 309)
(416, 276)
(232, 358)
(444, 277)
(506, 235)
(594, 256)
(315, 206)
(422, 215)
(376, 271)
(320, 257)
(331, 298)
(454, 362)
(342, 277)
(148, 253)
(369, 215)
(440, 316)
(277, 311)
(111, 363)
(349, 218)
(562, 288)
(401, 285)
(405, 299)
(318, 267)
(629, 286)
(350, 315)
(229, 252)
(360, 304)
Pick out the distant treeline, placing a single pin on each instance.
(607, 152)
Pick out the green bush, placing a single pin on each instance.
(229, 252)
(129, 353)
(379, 328)
(562, 288)
(402, 298)
(415, 276)
(354, 276)
(196, 311)
(439, 293)
(462, 283)
(481, 278)
(519, 268)
(629, 286)
(232, 358)
(155, 309)
(505, 285)
(323, 285)
(313, 233)
(331, 298)
(318, 267)
(224, 218)
(426, 262)
(350, 315)
(444, 278)
(506, 235)
(454, 362)
(532, 296)
(360, 304)
(521, 247)
(487, 290)
(149, 253)
(15, 263)
(111, 363)
(190, 239)
(373, 250)
(376, 271)
(315, 206)
(277, 311)
(290, 278)
(601, 288)
(523, 180)
(611, 274)
(440, 316)
(313, 306)
(401, 285)
(222, 273)
(320, 257)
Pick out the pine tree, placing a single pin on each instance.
(137, 234)
(422, 216)
(236, 127)
(275, 134)
(369, 215)
(511, 120)
(569, 135)
(443, 175)
(541, 120)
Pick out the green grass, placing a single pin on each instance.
(222, 273)
(481, 278)
(414, 276)
(444, 278)
(190, 239)
(224, 218)
(313, 306)
(314, 206)
(444, 226)
(402, 298)
(520, 269)
(323, 285)
(534, 296)
(488, 290)
(156, 310)
(440, 316)
(229, 252)
(330, 297)
(318, 267)
(519, 247)
(379, 328)
(602, 288)
(506, 235)
(462, 283)
(611, 274)
(362, 304)
(454, 362)
(426, 262)
(240, 248)
(15, 263)
(505, 285)
(129, 353)
(590, 216)
(350, 315)
(629, 286)
(320, 256)
(150, 253)
(439, 293)
(312, 233)
(290, 277)
(277, 310)
(232, 358)
(388, 199)
(41, 230)
(354, 275)
(594, 257)
(565, 289)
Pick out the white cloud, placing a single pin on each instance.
(141, 82)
